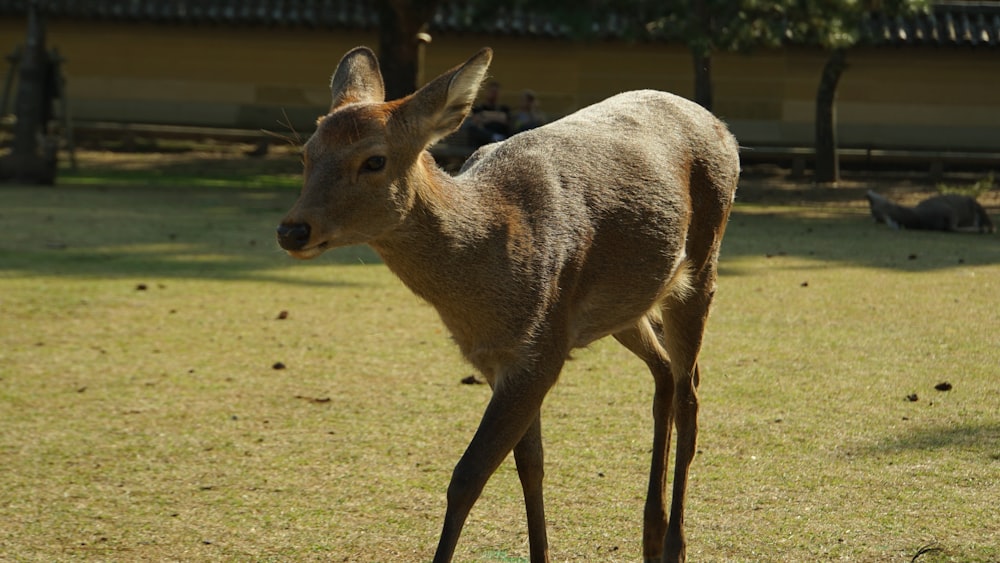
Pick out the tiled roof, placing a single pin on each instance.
(970, 24)
(948, 23)
(319, 13)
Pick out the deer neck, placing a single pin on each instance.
(438, 233)
(452, 250)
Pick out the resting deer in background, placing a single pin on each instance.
(948, 212)
(606, 222)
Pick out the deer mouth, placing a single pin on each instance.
(310, 252)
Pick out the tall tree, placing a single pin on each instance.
(29, 161)
(704, 26)
(701, 54)
(836, 26)
(402, 35)
(827, 163)
(709, 26)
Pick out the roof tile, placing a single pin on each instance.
(948, 23)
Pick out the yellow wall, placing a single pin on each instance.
(249, 76)
(899, 95)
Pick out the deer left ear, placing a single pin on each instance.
(357, 79)
(442, 104)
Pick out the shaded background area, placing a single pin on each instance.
(922, 81)
(208, 210)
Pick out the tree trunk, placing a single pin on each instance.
(701, 54)
(703, 79)
(27, 161)
(827, 163)
(402, 35)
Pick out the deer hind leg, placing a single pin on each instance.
(643, 340)
(684, 318)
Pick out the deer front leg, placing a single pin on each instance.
(529, 456)
(512, 411)
(644, 341)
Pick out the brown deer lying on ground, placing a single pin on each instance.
(606, 222)
(949, 212)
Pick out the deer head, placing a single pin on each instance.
(365, 163)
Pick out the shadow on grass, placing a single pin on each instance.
(985, 436)
(226, 232)
(841, 235)
(168, 232)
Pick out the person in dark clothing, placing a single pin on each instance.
(528, 116)
(490, 120)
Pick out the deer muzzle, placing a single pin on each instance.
(294, 236)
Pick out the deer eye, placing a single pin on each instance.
(373, 164)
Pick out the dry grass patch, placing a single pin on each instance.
(143, 418)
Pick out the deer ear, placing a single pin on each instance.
(357, 79)
(441, 105)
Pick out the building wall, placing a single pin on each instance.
(925, 95)
(216, 76)
(251, 77)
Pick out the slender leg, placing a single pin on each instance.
(643, 341)
(654, 515)
(529, 456)
(513, 409)
(686, 408)
(684, 324)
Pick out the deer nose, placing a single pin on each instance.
(293, 236)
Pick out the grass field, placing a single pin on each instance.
(143, 416)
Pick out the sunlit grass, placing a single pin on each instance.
(192, 166)
(143, 417)
(150, 179)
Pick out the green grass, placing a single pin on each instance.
(150, 424)
(976, 188)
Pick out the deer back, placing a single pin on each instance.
(553, 238)
(596, 216)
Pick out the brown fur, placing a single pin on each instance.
(607, 222)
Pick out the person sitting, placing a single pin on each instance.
(528, 116)
(490, 120)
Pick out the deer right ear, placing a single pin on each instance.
(357, 79)
(464, 84)
(440, 106)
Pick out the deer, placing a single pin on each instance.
(954, 213)
(608, 221)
